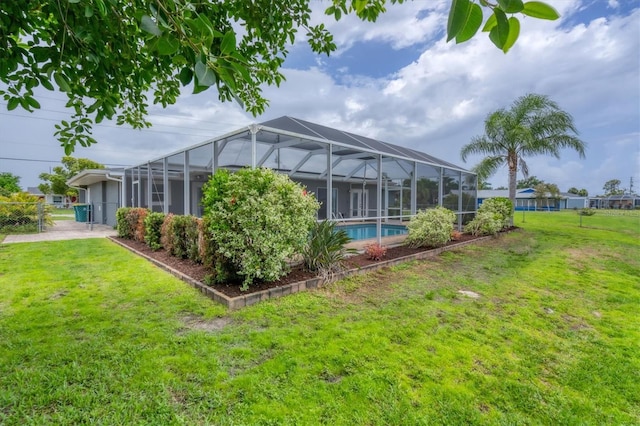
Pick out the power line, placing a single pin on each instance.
(54, 161)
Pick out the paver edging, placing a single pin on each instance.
(312, 283)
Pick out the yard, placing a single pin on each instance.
(89, 333)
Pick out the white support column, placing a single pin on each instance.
(414, 189)
(187, 185)
(165, 185)
(460, 203)
(149, 187)
(329, 181)
(379, 201)
(123, 194)
(254, 148)
(440, 188)
(216, 154)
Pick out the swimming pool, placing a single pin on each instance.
(365, 231)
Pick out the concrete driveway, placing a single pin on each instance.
(64, 230)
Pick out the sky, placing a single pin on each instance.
(397, 80)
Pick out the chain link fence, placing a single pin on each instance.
(23, 217)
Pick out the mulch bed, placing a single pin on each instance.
(199, 272)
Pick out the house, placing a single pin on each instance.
(55, 200)
(622, 201)
(102, 190)
(355, 178)
(526, 200)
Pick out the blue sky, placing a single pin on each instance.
(397, 80)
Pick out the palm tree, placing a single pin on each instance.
(534, 125)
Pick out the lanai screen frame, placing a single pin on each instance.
(146, 184)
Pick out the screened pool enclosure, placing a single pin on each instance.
(355, 178)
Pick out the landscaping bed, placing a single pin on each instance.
(198, 272)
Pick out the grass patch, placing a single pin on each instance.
(90, 333)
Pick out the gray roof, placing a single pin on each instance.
(296, 125)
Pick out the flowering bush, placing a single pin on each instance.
(375, 251)
(587, 211)
(485, 223)
(430, 228)
(152, 223)
(258, 219)
(501, 206)
(493, 215)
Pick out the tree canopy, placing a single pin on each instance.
(9, 184)
(581, 192)
(108, 56)
(533, 125)
(612, 187)
(529, 182)
(56, 181)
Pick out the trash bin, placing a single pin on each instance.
(81, 212)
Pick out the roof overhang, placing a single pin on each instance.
(92, 176)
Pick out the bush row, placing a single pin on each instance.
(255, 221)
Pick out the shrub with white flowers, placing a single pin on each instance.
(430, 228)
(258, 219)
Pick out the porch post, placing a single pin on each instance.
(165, 185)
(187, 185)
(414, 189)
(329, 181)
(379, 201)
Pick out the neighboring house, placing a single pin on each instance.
(58, 201)
(624, 201)
(102, 190)
(526, 200)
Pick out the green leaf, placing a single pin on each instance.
(500, 32)
(46, 83)
(74, 1)
(186, 75)
(148, 25)
(514, 32)
(13, 104)
(511, 6)
(474, 20)
(540, 10)
(88, 11)
(457, 17)
(32, 102)
(205, 75)
(228, 44)
(168, 44)
(491, 22)
(61, 81)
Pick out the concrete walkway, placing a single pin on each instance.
(64, 230)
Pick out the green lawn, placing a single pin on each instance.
(62, 214)
(91, 334)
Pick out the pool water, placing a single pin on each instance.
(368, 230)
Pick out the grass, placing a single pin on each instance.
(62, 214)
(91, 334)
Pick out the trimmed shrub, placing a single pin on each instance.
(430, 228)
(153, 223)
(122, 225)
(493, 215)
(375, 251)
(325, 251)
(20, 212)
(137, 217)
(259, 219)
(192, 239)
(485, 223)
(166, 233)
(130, 223)
(587, 211)
(179, 236)
(206, 243)
(501, 206)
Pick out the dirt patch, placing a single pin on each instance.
(193, 322)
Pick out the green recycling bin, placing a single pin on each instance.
(81, 212)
